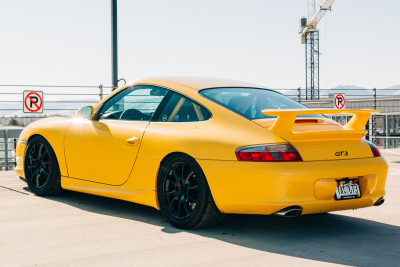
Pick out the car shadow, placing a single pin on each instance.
(327, 238)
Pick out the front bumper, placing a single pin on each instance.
(19, 158)
(265, 188)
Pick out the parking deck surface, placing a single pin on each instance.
(82, 230)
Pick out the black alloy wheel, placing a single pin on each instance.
(183, 194)
(181, 190)
(38, 165)
(41, 168)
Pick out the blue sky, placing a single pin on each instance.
(68, 41)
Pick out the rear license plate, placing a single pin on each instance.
(347, 189)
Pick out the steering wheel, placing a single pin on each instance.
(133, 115)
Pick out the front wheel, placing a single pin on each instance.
(41, 168)
(183, 194)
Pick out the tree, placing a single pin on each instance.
(13, 122)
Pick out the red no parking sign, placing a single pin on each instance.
(33, 102)
(340, 101)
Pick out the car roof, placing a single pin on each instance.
(196, 83)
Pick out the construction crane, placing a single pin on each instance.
(310, 37)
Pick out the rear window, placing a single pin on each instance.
(249, 102)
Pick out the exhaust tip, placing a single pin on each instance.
(379, 202)
(292, 211)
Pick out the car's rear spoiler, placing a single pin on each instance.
(354, 129)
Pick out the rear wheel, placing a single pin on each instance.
(41, 168)
(183, 194)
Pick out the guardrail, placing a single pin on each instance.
(64, 100)
(8, 144)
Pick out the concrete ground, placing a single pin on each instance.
(81, 230)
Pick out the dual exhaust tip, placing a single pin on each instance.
(295, 211)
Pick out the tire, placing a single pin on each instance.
(42, 172)
(183, 194)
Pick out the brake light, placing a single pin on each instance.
(374, 149)
(268, 152)
(306, 121)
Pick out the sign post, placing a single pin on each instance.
(33, 101)
(339, 101)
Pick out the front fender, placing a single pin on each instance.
(53, 130)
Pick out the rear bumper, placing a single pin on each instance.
(265, 188)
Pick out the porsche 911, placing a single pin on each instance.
(199, 148)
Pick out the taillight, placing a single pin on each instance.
(374, 149)
(268, 152)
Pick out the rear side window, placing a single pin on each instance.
(181, 109)
(249, 102)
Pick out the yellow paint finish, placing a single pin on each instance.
(19, 158)
(98, 150)
(53, 130)
(360, 118)
(264, 188)
(118, 192)
(286, 118)
(321, 150)
(201, 140)
(325, 189)
(322, 125)
(368, 184)
(321, 140)
(325, 136)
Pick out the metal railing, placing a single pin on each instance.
(8, 143)
(65, 100)
(59, 100)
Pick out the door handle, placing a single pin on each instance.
(133, 141)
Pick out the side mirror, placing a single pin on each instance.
(86, 112)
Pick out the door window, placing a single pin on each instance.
(137, 103)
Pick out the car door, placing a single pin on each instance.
(104, 150)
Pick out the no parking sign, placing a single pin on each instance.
(340, 101)
(33, 102)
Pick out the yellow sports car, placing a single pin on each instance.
(197, 148)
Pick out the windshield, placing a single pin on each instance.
(249, 102)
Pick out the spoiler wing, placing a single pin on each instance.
(286, 118)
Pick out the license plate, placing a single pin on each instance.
(347, 189)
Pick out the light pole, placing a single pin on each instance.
(114, 44)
